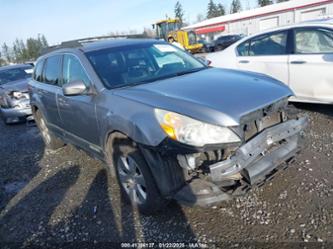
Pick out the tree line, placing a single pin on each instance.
(22, 51)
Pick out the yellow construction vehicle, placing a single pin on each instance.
(170, 28)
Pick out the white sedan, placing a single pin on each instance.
(301, 56)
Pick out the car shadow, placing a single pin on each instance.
(21, 149)
(320, 108)
(24, 221)
(104, 217)
(46, 216)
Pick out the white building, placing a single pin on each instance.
(252, 21)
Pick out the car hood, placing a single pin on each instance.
(18, 85)
(219, 96)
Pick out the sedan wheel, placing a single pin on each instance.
(132, 180)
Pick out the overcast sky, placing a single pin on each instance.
(61, 20)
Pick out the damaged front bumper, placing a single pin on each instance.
(13, 109)
(251, 164)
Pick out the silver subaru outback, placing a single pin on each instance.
(166, 125)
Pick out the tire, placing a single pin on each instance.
(136, 182)
(51, 142)
(5, 120)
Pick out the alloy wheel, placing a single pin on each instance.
(132, 179)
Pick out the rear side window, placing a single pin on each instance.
(73, 70)
(313, 41)
(274, 44)
(52, 70)
(269, 44)
(38, 71)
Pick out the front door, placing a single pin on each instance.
(78, 112)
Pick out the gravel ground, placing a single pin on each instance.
(50, 198)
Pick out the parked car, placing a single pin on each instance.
(225, 41)
(14, 96)
(301, 56)
(207, 47)
(168, 126)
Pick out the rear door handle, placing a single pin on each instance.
(244, 61)
(297, 62)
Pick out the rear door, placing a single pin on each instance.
(267, 54)
(311, 64)
(48, 89)
(78, 112)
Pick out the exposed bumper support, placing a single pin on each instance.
(256, 157)
(255, 160)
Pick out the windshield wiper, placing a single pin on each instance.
(173, 75)
(191, 71)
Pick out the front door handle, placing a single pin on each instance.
(297, 62)
(244, 61)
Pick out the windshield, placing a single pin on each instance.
(15, 74)
(139, 64)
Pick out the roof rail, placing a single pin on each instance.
(78, 42)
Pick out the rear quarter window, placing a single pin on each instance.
(38, 71)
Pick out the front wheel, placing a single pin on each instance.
(135, 179)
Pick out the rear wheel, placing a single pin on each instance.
(51, 142)
(134, 177)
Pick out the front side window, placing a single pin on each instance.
(243, 48)
(192, 38)
(313, 41)
(142, 63)
(15, 74)
(269, 44)
(52, 70)
(73, 70)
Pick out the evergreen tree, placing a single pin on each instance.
(43, 41)
(179, 12)
(211, 9)
(235, 6)
(24, 51)
(220, 9)
(263, 3)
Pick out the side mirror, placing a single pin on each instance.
(73, 88)
(204, 60)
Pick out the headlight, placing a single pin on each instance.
(17, 95)
(193, 132)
